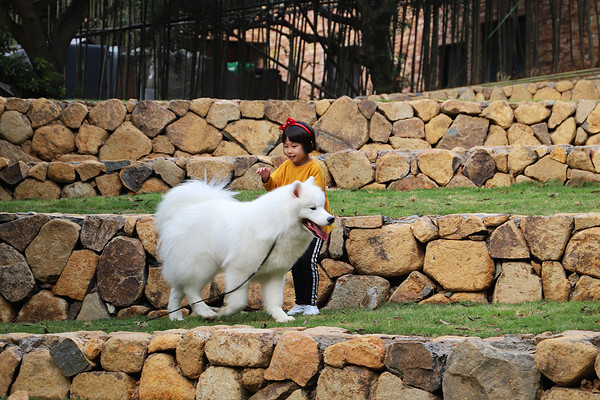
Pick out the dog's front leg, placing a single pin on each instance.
(272, 293)
(199, 306)
(174, 303)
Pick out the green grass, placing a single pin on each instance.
(521, 199)
(464, 319)
(141, 204)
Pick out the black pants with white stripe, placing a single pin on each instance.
(306, 274)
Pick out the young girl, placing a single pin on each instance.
(298, 141)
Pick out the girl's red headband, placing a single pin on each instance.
(291, 121)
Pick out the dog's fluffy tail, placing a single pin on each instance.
(189, 193)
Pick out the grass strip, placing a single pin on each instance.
(520, 199)
(461, 319)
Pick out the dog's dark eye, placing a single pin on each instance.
(313, 208)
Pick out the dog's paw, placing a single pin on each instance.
(284, 318)
(226, 311)
(175, 315)
(208, 314)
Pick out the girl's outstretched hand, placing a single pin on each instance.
(264, 172)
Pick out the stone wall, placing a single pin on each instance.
(346, 169)
(53, 150)
(52, 131)
(322, 363)
(564, 90)
(59, 267)
(116, 130)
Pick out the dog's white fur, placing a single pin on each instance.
(204, 230)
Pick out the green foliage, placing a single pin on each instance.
(4, 38)
(36, 79)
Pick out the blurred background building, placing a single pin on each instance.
(293, 49)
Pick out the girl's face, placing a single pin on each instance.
(295, 152)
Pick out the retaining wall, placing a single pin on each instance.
(54, 149)
(56, 267)
(347, 169)
(321, 363)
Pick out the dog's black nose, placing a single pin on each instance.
(331, 220)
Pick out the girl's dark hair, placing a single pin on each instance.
(297, 134)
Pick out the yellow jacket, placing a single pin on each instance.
(288, 173)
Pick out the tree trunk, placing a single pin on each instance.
(31, 32)
(377, 54)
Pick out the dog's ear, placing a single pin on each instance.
(311, 180)
(296, 188)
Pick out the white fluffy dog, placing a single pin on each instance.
(204, 230)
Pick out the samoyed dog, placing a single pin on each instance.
(204, 230)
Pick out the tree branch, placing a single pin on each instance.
(351, 21)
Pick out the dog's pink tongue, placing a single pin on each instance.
(321, 233)
(317, 230)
